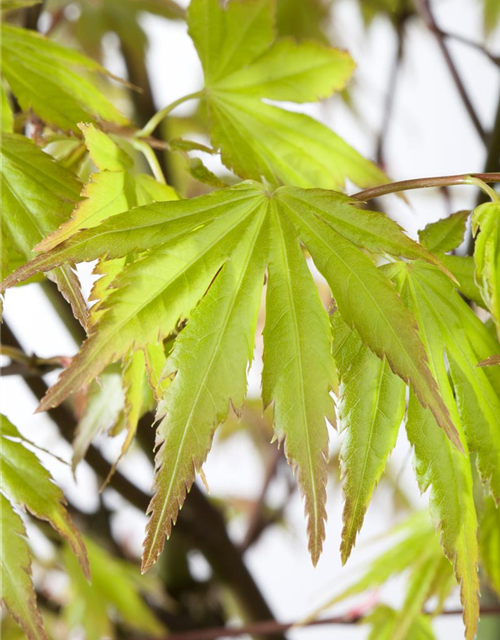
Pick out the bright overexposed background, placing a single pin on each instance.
(430, 134)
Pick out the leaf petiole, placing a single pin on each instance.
(150, 126)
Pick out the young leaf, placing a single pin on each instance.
(486, 227)
(38, 195)
(113, 190)
(26, 483)
(209, 361)
(18, 592)
(298, 371)
(371, 407)
(446, 234)
(47, 77)
(242, 67)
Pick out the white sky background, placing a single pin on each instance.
(430, 135)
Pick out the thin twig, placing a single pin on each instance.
(424, 9)
(423, 183)
(270, 626)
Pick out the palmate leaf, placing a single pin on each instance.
(26, 483)
(371, 407)
(38, 195)
(486, 227)
(213, 248)
(438, 464)
(242, 66)
(47, 78)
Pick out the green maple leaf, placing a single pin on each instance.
(38, 195)
(204, 260)
(47, 78)
(243, 65)
(486, 227)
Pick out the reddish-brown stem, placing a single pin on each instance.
(423, 183)
(270, 626)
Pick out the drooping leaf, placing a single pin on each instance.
(446, 234)
(486, 227)
(371, 407)
(454, 330)
(489, 542)
(191, 247)
(438, 464)
(298, 372)
(26, 483)
(37, 196)
(48, 78)
(242, 66)
(17, 590)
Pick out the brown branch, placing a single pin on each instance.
(269, 626)
(424, 10)
(423, 183)
(199, 521)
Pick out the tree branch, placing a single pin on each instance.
(270, 626)
(424, 10)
